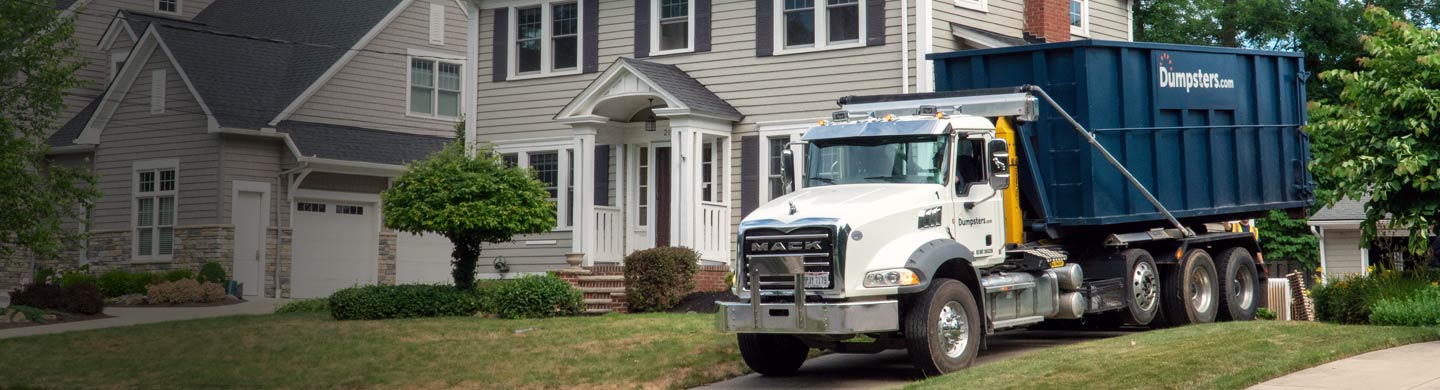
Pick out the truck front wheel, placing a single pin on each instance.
(772, 354)
(1142, 287)
(943, 328)
(1192, 290)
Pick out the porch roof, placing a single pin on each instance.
(668, 82)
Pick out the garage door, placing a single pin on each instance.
(335, 246)
(422, 258)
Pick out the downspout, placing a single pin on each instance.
(472, 87)
(905, 46)
(1321, 232)
(1130, 20)
(922, 45)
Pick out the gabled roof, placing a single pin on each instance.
(67, 133)
(1343, 210)
(668, 82)
(689, 91)
(336, 142)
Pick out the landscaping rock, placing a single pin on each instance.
(131, 299)
(50, 317)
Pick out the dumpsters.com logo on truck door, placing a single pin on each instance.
(1192, 80)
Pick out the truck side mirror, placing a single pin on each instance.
(787, 168)
(999, 151)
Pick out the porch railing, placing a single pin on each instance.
(609, 234)
(714, 240)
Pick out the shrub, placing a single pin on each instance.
(185, 291)
(1265, 314)
(1349, 300)
(116, 283)
(43, 276)
(212, 272)
(1422, 309)
(71, 279)
(81, 298)
(402, 301)
(27, 313)
(532, 296)
(177, 275)
(314, 305)
(655, 279)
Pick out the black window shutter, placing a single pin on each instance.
(702, 25)
(875, 22)
(590, 32)
(749, 174)
(642, 28)
(764, 28)
(500, 64)
(602, 175)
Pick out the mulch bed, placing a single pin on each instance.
(703, 302)
(225, 302)
(60, 318)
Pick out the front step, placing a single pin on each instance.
(603, 290)
(601, 278)
(598, 311)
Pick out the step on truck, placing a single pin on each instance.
(1069, 184)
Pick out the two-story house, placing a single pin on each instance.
(659, 122)
(259, 134)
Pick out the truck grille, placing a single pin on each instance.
(815, 246)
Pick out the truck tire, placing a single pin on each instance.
(1191, 290)
(943, 328)
(772, 354)
(1142, 287)
(1238, 286)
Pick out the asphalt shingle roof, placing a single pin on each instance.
(350, 143)
(689, 91)
(1344, 210)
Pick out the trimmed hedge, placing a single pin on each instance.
(313, 305)
(656, 278)
(80, 298)
(212, 272)
(532, 296)
(402, 301)
(1349, 300)
(117, 283)
(178, 275)
(1422, 309)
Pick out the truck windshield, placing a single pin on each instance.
(913, 159)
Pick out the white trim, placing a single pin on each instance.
(170, 164)
(472, 56)
(540, 242)
(821, 40)
(546, 40)
(179, 8)
(107, 38)
(924, 43)
(792, 129)
(975, 38)
(115, 57)
(1364, 261)
(157, 91)
(1355, 223)
(1130, 20)
(437, 59)
(1320, 231)
(344, 60)
(436, 25)
(334, 196)
(562, 147)
(977, 5)
(69, 11)
(655, 30)
(904, 46)
(1083, 30)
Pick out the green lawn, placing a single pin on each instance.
(312, 351)
(1230, 355)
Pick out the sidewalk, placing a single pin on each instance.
(123, 316)
(1411, 366)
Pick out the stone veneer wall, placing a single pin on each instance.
(388, 243)
(282, 248)
(194, 246)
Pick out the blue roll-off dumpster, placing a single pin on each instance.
(1214, 133)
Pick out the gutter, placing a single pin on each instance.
(71, 149)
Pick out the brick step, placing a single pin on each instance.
(598, 301)
(602, 278)
(597, 311)
(603, 290)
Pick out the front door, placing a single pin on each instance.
(247, 215)
(662, 196)
(978, 226)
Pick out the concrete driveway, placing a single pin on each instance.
(892, 369)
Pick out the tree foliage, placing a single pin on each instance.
(1285, 238)
(36, 66)
(1382, 134)
(471, 201)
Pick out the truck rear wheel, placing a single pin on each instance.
(1238, 277)
(1142, 287)
(772, 354)
(943, 328)
(1191, 290)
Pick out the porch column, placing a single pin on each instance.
(583, 221)
(687, 132)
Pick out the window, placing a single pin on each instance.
(348, 209)
(969, 164)
(978, 5)
(1080, 17)
(546, 39)
(310, 207)
(707, 173)
(434, 88)
(154, 204)
(908, 159)
(510, 159)
(673, 21)
(817, 24)
(569, 188)
(773, 137)
(776, 146)
(552, 165)
(643, 196)
(167, 6)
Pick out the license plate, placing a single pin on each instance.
(817, 279)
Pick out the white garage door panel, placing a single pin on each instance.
(422, 258)
(333, 250)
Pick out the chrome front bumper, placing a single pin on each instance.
(813, 318)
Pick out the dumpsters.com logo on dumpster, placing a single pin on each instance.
(1169, 78)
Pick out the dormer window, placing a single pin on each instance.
(168, 6)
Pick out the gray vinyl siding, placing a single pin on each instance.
(1342, 252)
(370, 91)
(134, 135)
(524, 257)
(340, 182)
(90, 22)
(256, 160)
(1109, 20)
(1005, 17)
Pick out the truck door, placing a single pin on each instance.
(978, 206)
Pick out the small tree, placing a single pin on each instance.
(1382, 135)
(471, 201)
(1285, 238)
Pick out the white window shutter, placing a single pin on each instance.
(157, 91)
(437, 24)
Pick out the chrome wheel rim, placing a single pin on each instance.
(1244, 288)
(1200, 290)
(953, 329)
(1144, 286)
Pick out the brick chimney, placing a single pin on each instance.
(1047, 20)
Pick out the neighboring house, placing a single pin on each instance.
(659, 122)
(1341, 252)
(259, 134)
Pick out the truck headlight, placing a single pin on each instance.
(891, 278)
